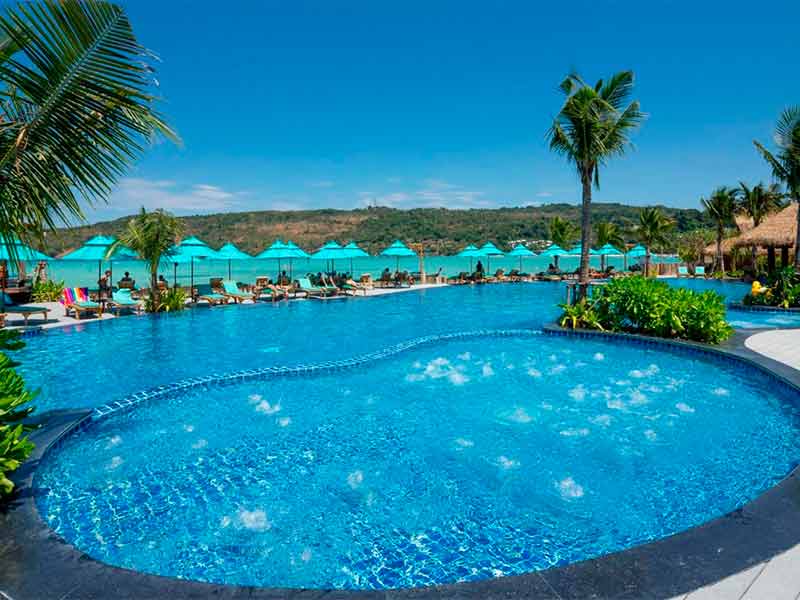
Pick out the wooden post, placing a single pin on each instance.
(784, 257)
(420, 250)
(770, 259)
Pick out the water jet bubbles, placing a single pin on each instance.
(599, 356)
(355, 479)
(569, 488)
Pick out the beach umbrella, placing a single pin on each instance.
(555, 251)
(16, 250)
(351, 251)
(521, 251)
(96, 248)
(638, 251)
(330, 251)
(280, 251)
(399, 250)
(488, 250)
(231, 252)
(607, 250)
(577, 248)
(470, 252)
(186, 252)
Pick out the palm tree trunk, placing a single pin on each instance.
(797, 238)
(586, 232)
(647, 261)
(719, 260)
(155, 293)
(753, 259)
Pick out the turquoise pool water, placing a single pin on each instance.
(451, 462)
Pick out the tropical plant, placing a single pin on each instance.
(593, 125)
(47, 291)
(782, 289)
(757, 202)
(720, 207)
(647, 306)
(15, 400)
(75, 110)
(692, 244)
(653, 228)
(152, 235)
(606, 232)
(785, 163)
(562, 232)
(172, 300)
(580, 315)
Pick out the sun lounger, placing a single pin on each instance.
(121, 300)
(312, 291)
(76, 300)
(206, 292)
(24, 310)
(699, 271)
(683, 272)
(231, 290)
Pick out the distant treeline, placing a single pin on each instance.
(441, 230)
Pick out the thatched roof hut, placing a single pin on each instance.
(778, 230)
(743, 223)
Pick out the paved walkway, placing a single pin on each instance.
(779, 577)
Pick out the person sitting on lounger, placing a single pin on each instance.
(283, 279)
(552, 270)
(162, 282)
(127, 281)
(479, 270)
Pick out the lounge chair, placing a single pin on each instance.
(699, 271)
(274, 293)
(76, 300)
(121, 300)
(354, 288)
(312, 291)
(24, 310)
(460, 279)
(230, 289)
(206, 292)
(683, 272)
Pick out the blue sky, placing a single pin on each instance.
(290, 105)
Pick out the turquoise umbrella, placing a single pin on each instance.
(637, 251)
(280, 251)
(351, 251)
(607, 250)
(521, 251)
(96, 248)
(470, 252)
(555, 251)
(331, 251)
(577, 248)
(399, 250)
(231, 252)
(16, 250)
(488, 250)
(187, 251)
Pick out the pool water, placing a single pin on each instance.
(460, 461)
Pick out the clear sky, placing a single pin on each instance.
(294, 104)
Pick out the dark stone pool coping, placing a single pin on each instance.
(35, 563)
(759, 308)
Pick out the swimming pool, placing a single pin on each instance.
(453, 461)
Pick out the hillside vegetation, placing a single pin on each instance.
(441, 230)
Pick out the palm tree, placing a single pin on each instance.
(654, 228)
(562, 232)
(786, 163)
(720, 207)
(593, 125)
(757, 202)
(152, 235)
(607, 233)
(76, 110)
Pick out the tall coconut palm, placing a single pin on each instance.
(720, 207)
(593, 125)
(76, 110)
(653, 228)
(786, 163)
(562, 232)
(152, 235)
(757, 202)
(607, 233)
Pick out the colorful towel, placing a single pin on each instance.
(74, 296)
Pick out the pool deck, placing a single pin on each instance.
(779, 577)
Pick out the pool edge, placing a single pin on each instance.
(39, 564)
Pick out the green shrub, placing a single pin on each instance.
(782, 290)
(650, 307)
(47, 291)
(171, 300)
(14, 396)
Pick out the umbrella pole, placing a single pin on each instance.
(229, 269)
(175, 275)
(191, 278)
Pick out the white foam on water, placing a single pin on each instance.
(641, 373)
(346, 391)
(579, 364)
(116, 461)
(622, 382)
(114, 440)
(604, 420)
(569, 488)
(546, 406)
(534, 373)
(225, 521)
(651, 435)
(188, 428)
(615, 404)
(497, 573)
(721, 391)
(604, 393)
(457, 378)
(309, 455)
(412, 377)
(464, 443)
(355, 479)
(285, 421)
(305, 555)
(440, 368)
(417, 364)
(464, 356)
(510, 367)
(201, 443)
(578, 392)
(599, 356)
(557, 369)
(683, 407)
(552, 358)
(520, 416)
(254, 520)
(266, 408)
(506, 463)
(650, 388)
(487, 370)
(637, 397)
(254, 398)
(575, 432)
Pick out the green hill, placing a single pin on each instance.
(442, 230)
